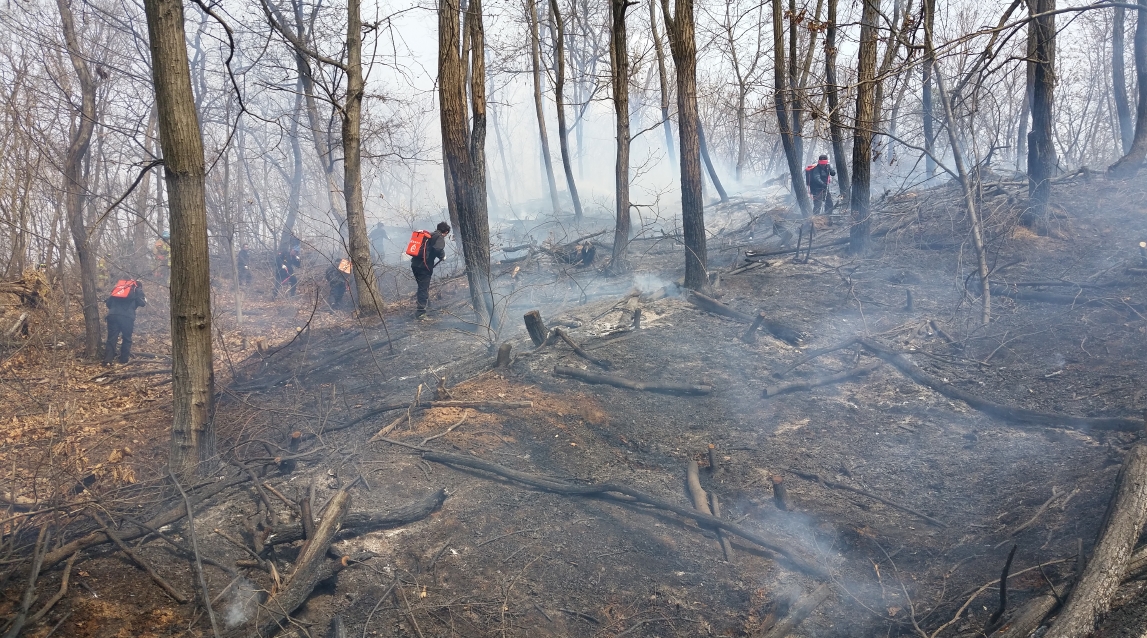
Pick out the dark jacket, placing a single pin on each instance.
(126, 306)
(433, 249)
(819, 176)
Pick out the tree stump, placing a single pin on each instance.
(503, 360)
(536, 327)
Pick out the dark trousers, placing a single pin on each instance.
(119, 326)
(819, 199)
(244, 275)
(338, 289)
(422, 275)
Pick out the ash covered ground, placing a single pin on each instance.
(959, 487)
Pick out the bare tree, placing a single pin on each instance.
(784, 119)
(682, 42)
(536, 67)
(193, 387)
(464, 147)
(835, 125)
(864, 129)
(1119, 79)
(1133, 157)
(559, 28)
(926, 107)
(76, 181)
(663, 79)
(1041, 141)
(619, 69)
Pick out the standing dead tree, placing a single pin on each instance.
(835, 123)
(1041, 140)
(864, 130)
(663, 80)
(682, 42)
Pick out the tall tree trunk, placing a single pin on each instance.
(926, 92)
(369, 297)
(619, 69)
(193, 378)
(663, 78)
(76, 184)
(796, 108)
(465, 149)
(742, 150)
(835, 127)
(1119, 80)
(709, 162)
(784, 123)
(864, 129)
(560, 102)
(296, 188)
(536, 66)
(1132, 159)
(682, 43)
(1041, 141)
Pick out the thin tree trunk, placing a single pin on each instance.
(788, 139)
(296, 187)
(709, 162)
(559, 101)
(663, 78)
(1119, 80)
(865, 127)
(926, 94)
(1132, 159)
(619, 69)
(1041, 141)
(536, 66)
(683, 44)
(193, 387)
(796, 108)
(76, 184)
(369, 297)
(835, 127)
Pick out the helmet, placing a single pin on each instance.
(165, 236)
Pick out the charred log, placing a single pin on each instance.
(628, 384)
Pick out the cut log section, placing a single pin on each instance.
(536, 327)
(1090, 599)
(622, 382)
(503, 360)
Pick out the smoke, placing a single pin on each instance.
(242, 603)
(648, 283)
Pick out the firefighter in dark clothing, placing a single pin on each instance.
(433, 252)
(286, 279)
(819, 177)
(125, 298)
(243, 262)
(338, 280)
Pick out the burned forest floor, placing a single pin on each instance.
(523, 500)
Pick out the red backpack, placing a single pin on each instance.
(124, 288)
(417, 239)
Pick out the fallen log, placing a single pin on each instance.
(752, 256)
(1090, 599)
(601, 363)
(797, 386)
(1001, 290)
(359, 523)
(710, 304)
(312, 567)
(798, 612)
(622, 382)
(701, 503)
(1010, 413)
(726, 546)
(304, 370)
(144, 565)
(604, 490)
(856, 490)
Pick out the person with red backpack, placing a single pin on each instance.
(818, 177)
(426, 250)
(122, 303)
